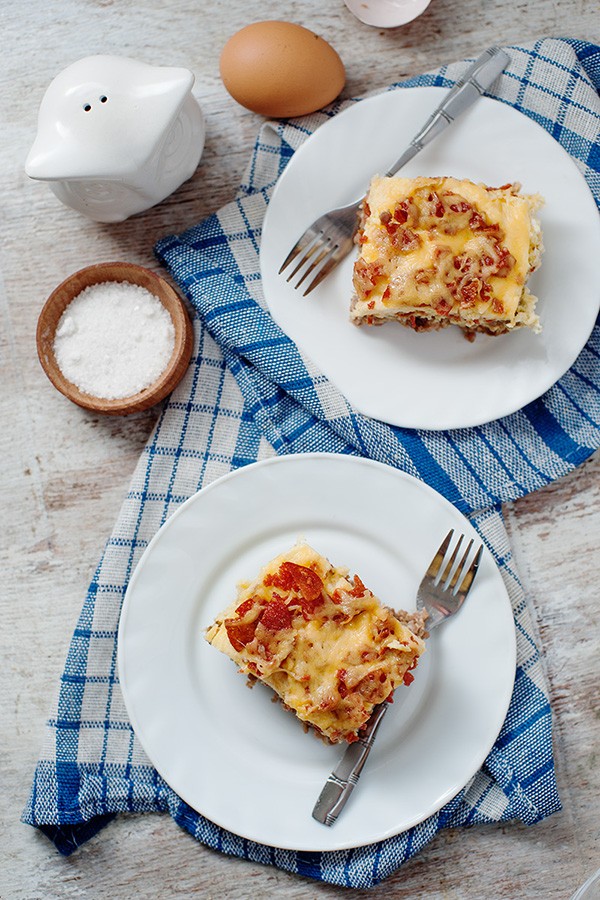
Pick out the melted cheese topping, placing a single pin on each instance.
(330, 652)
(448, 252)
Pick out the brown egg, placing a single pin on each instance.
(279, 69)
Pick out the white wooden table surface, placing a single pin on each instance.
(65, 472)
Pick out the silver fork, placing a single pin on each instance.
(331, 237)
(442, 592)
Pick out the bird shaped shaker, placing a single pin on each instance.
(116, 136)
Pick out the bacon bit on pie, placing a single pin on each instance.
(469, 292)
(370, 687)
(463, 262)
(245, 607)
(442, 251)
(359, 590)
(408, 677)
(241, 630)
(401, 213)
(461, 207)
(371, 304)
(366, 276)
(292, 577)
(327, 703)
(281, 579)
(443, 308)
(477, 222)
(240, 633)
(506, 261)
(438, 206)
(406, 240)
(276, 616)
(341, 684)
(303, 579)
(404, 213)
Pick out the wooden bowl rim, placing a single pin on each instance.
(71, 287)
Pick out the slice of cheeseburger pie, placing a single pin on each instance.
(440, 251)
(321, 640)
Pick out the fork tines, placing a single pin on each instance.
(318, 257)
(322, 246)
(454, 574)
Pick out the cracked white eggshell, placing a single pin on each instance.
(386, 13)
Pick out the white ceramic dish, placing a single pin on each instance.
(436, 380)
(243, 761)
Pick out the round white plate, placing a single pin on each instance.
(435, 380)
(242, 760)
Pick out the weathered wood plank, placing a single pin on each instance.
(66, 471)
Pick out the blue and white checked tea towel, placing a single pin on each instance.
(249, 394)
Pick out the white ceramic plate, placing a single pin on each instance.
(242, 760)
(436, 380)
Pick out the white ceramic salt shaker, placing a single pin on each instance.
(116, 136)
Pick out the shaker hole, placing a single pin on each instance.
(87, 107)
(103, 99)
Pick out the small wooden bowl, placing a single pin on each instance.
(60, 298)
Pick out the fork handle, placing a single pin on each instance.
(478, 77)
(341, 782)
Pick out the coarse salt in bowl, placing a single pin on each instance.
(114, 338)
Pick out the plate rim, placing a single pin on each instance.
(501, 709)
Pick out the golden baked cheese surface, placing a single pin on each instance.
(440, 251)
(323, 642)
